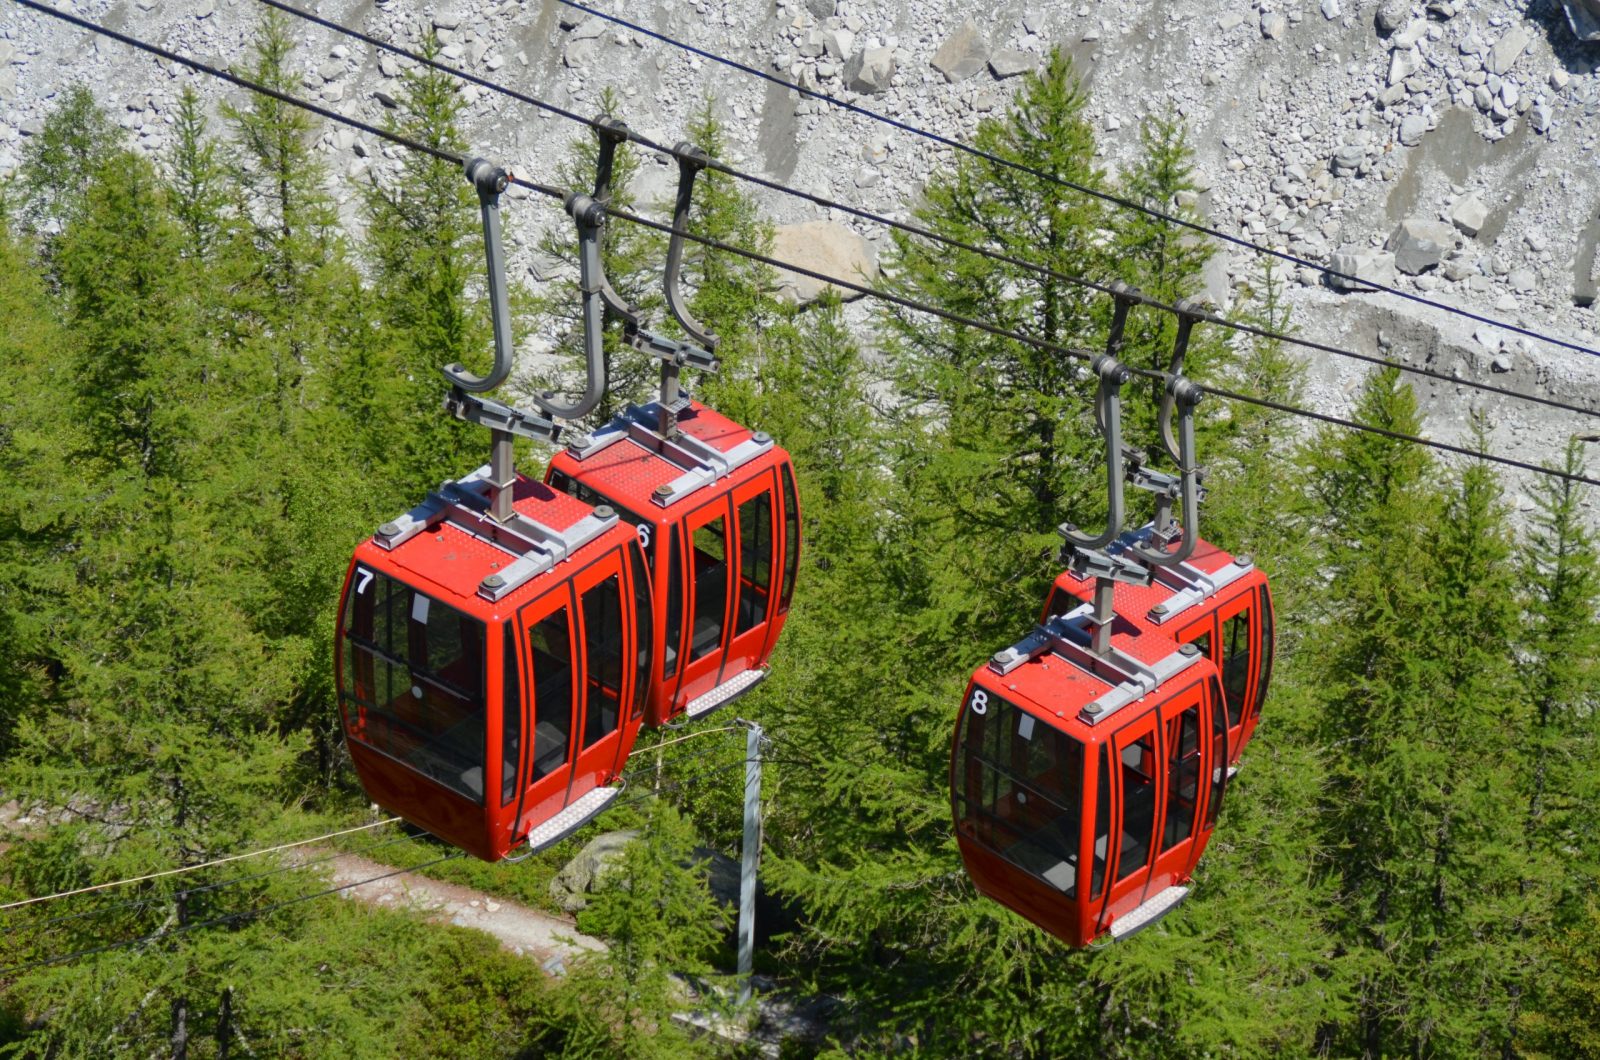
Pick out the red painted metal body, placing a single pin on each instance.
(441, 689)
(746, 522)
(1234, 627)
(1040, 788)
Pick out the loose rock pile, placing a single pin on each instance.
(1448, 147)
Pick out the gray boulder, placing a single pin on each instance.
(1508, 49)
(869, 70)
(1366, 265)
(1420, 244)
(578, 878)
(1009, 62)
(1392, 14)
(963, 53)
(1469, 215)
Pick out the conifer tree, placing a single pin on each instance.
(1560, 570)
(732, 296)
(76, 138)
(159, 726)
(198, 179)
(1164, 260)
(632, 256)
(426, 245)
(1006, 436)
(661, 924)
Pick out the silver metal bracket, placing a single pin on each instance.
(1097, 563)
(702, 464)
(486, 412)
(676, 352)
(1068, 636)
(465, 504)
(1189, 583)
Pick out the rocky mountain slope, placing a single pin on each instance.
(1446, 147)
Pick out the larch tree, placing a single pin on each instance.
(633, 258)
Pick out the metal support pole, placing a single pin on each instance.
(502, 475)
(750, 855)
(1105, 615)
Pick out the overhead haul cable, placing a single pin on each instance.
(189, 892)
(907, 227)
(840, 282)
(1105, 196)
(196, 868)
(156, 936)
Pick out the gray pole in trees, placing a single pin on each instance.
(750, 855)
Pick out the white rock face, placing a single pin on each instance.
(824, 247)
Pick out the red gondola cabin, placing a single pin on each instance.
(1085, 787)
(492, 674)
(1213, 600)
(716, 512)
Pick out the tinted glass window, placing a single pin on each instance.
(1102, 822)
(1020, 789)
(791, 531)
(510, 722)
(1267, 648)
(1236, 663)
(413, 683)
(1138, 767)
(644, 616)
(550, 659)
(710, 557)
(755, 561)
(1183, 777)
(1060, 602)
(1219, 752)
(602, 630)
(669, 656)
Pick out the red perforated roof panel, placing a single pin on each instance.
(449, 562)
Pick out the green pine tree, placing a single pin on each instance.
(632, 256)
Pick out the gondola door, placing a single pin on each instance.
(548, 634)
(754, 513)
(1184, 757)
(1236, 654)
(709, 552)
(604, 678)
(1137, 767)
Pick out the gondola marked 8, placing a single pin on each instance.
(980, 701)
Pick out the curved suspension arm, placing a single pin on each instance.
(1112, 374)
(612, 133)
(590, 216)
(1181, 395)
(490, 181)
(691, 160)
(1189, 314)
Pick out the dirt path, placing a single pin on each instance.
(526, 932)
